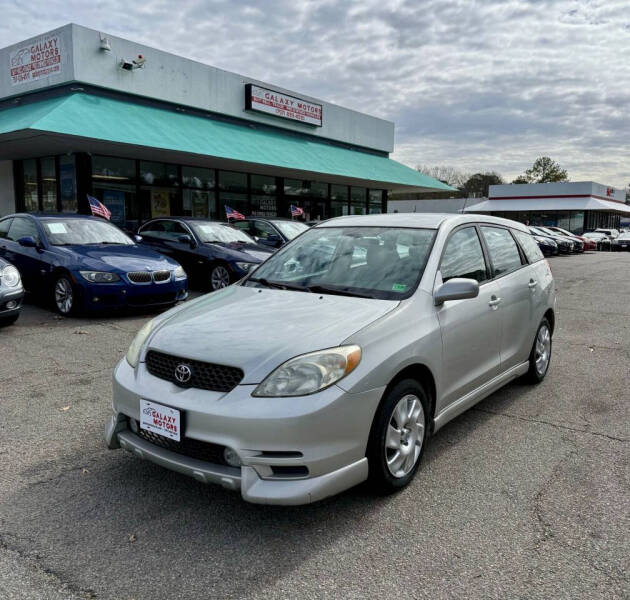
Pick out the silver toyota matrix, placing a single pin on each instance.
(334, 361)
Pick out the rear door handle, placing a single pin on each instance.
(494, 302)
(532, 283)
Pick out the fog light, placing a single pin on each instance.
(11, 304)
(231, 458)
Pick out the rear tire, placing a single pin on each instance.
(540, 356)
(398, 437)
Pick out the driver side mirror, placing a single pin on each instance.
(458, 288)
(137, 238)
(186, 239)
(28, 241)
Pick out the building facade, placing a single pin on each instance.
(152, 134)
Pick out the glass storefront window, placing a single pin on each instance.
(200, 203)
(233, 182)
(108, 168)
(357, 195)
(49, 184)
(375, 198)
(297, 187)
(67, 183)
(198, 177)
(31, 203)
(156, 173)
(338, 209)
(237, 202)
(261, 184)
(339, 193)
(120, 199)
(264, 206)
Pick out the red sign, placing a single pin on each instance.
(281, 105)
(39, 59)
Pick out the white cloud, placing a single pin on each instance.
(480, 85)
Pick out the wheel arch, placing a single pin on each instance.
(551, 317)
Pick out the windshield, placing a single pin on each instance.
(624, 236)
(290, 229)
(594, 236)
(373, 262)
(539, 231)
(209, 232)
(65, 232)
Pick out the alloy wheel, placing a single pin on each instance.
(543, 350)
(405, 435)
(64, 295)
(219, 278)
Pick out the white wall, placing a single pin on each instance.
(7, 193)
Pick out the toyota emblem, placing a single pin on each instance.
(183, 373)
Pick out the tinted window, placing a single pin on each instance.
(4, 227)
(263, 230)
(165, 230)
(463, 256)
(529, 245)
(503, 250)
(21, 228)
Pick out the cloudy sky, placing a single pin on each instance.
(486, 85)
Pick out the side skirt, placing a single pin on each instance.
(465, 402)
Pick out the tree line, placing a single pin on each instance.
(544, 170)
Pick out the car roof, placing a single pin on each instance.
(418, 220)
(45, 215)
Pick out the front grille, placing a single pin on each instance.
(212, 453)
(161, 276)
(139, 276)
(205, 376)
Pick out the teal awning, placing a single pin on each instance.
(125, 122)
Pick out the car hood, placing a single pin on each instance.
(259, 329)
(106, 257)
(237, 251)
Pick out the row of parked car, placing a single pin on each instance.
(556, 240)
(81, 263)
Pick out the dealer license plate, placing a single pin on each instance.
(160, 419)
(624, 245)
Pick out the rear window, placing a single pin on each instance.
(529, 246)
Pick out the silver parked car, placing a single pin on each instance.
(336, 359)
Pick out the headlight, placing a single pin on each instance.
(310, 373)
(179, 273)
(133, 354)
(10, 276)
(243, 266)
(99, 276)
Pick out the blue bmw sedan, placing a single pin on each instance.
(86, 263)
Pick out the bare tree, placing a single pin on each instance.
(447, 174)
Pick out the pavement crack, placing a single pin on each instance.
(551, 424)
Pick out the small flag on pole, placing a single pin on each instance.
(98, 208)
(296, 211)
(233, 214)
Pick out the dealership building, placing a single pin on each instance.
(152, 134)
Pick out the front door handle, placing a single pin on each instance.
(532, 283)
(494, 302)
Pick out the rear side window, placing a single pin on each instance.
(503, 250)
(529, 246)
(21, 227)
(4, 228)
(463, 256)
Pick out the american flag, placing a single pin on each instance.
(296, 211)
(233, 214)
(98, 208)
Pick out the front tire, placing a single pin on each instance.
(540, 356)
(64, 296)
(398, 437)
(219, 277)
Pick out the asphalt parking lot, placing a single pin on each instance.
(525, 496)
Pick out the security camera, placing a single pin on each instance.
(105, 46)
(127, 65)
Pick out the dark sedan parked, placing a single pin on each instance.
(214, 254)
(81, 262)
(270, 232)
(565, 245)
(547, 246)
(11, 293)
(621, 243)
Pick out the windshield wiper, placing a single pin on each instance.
(105, 244)
(280, 286)
(323, 289)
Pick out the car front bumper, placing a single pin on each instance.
(124, 295)
(292, 450)
(10, 296)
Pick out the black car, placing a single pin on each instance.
(565, 245)
(213, 254)
(621, 243)
(269, 231)
(11, 293)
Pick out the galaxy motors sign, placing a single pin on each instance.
(274, 103)
(37, 60)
